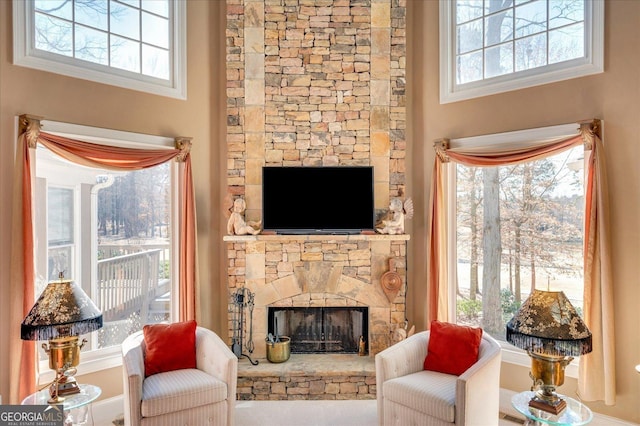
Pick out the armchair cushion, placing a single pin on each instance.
(180, 390)
(452, 348)
(169, 347)
(427, 392)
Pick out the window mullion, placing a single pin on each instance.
(167, 80)
(569, 63)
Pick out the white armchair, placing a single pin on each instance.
(202, 396)
(408, 395)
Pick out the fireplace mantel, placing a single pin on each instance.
(316, 237)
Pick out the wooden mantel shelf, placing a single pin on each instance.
(306, 237)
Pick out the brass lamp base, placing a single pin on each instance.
(66, 386)
(547, 372)
(64, 356)
(550, 407)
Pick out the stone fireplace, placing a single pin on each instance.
(319, 271)
(315, 83)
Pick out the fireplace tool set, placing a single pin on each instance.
(242, 299)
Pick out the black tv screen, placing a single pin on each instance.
(317, 200)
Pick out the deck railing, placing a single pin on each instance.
(130, 282)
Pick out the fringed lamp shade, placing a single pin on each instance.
(548, 327)
(63, 309)
(547, 323)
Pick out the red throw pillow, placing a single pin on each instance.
(169, 347)
(452, 348)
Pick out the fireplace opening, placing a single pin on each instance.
(321, 330)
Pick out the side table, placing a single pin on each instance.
(76, 406)
(575, 414)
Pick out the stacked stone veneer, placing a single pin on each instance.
(296, 387)
(314, 385)
(316, 83)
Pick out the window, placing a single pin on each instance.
(136, 44)
(60, 240)
(493, 46)
(526, 220)
(114, 234)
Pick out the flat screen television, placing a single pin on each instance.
(317, 200)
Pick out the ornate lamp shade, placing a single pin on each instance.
(548, 327)
(62, 312)
(548, 324)
(63, 309)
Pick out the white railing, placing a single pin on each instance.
(129, 283)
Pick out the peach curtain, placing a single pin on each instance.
(94, 155)
(22, 354)
(597, 370)
(596, 379)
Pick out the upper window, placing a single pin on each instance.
(136, 44)
(494, 46)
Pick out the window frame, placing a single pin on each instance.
(591, 63)
(101, 359)
(510, 353)
(25, 54)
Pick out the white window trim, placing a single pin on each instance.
(593, 63)
(510, 353)
(25, 54)
(101, 359)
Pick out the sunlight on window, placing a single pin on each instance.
(110, 231)
(521, 30)
(494, 46)
(127, 35)
(528, 217)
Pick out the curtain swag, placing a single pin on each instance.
(596, 379)
(22, 357)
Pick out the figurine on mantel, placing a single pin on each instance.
(237, 225)
(399, 212)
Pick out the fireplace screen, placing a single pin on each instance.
(321, 330)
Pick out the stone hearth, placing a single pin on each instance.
(315, 377)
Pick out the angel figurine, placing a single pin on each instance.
(399, 212)
(237, 225)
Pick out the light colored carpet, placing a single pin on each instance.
(313, 413)
(308, 413)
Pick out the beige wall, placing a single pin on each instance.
(611, 96)
(65, 99)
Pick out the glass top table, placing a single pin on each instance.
(575, 414)
(88, 394)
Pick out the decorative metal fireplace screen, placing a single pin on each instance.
(321, 330)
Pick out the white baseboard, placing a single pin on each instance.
(106, 410)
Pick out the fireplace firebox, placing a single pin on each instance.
(321, 329)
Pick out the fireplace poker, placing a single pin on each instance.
(240, 304)
(250, 345)
(235, 347)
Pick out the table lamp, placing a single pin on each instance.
(62, 312)
(548, 327)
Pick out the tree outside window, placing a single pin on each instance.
(111, 232)
(492, 46)
(137, 44)
(519, 228)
